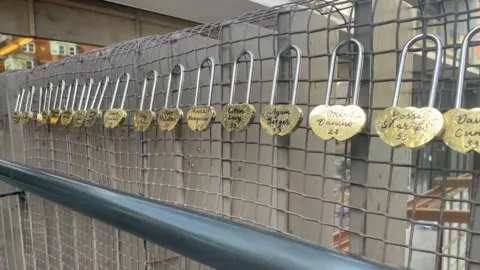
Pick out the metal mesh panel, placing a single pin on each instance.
(395, 206)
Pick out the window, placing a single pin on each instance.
(29, 64)
(72, 50)
(28, 48)
(56, 49)
(15, 63)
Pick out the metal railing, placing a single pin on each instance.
(213, 241)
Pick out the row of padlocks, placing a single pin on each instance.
(412, 127)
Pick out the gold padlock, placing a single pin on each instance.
(17, 114)
(28, 115)
(79, 114)
(239, 116)
(94, 113)
(462, 129)
(57, 110)
(143, 120)
(114, 118)
(170, 118)
(43, 117)
(281, 120)
(411, 126)
(201, 117)
(338, 121)
(67, 115)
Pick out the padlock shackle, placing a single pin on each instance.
(75, 81)
(50, 90)
(117, 84)
(463, 65)
(40, 99)
(212, 76)
(358, 71)
(27, 101)
(45, 98)
(62, 89)
(297, 72)
(436, 71)
(144, 89)
(19, 101)
(31, 98)
(180, 84)
(105, 81)
(90, 85)
(250, 75)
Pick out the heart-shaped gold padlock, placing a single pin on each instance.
(114, 118)
(170, 118)
(340, 122)
(94, 113)
(56, 112)
(78, 117)
(17, 115)
(200, 118)
(281, 120)
(143, 120)
(67, 116)
(462, 126)
(412, 127)
(238, 117)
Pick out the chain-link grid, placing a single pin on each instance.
(395, 206)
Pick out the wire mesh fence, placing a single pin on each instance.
(402, 207)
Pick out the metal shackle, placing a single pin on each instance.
(28, 100)
(463, 65)
(31, 98)
(40, 99)
(19, 101)
(124, 91)
(80, 103)
(144, 89)
(75, 82)
(358, 71)
(180, 84)
(50, 90)
(62, 89)
(105, 80)
(436, 71)
(297, 72)
(212, 76)
(250, 75)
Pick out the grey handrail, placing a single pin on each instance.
(213, 241)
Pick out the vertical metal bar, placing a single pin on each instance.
(473, 243)
(360, 144)
(90, 177)
(56, 208)
(5, 236)
(279, 204)
(225, 202)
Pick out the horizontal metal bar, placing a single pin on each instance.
(12, 193)
(213, 241)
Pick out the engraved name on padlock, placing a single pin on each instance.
(57, 107)
(201, 117)
(412, 127)
(17, 113)
(67, 115)
(114, 117)
(28, 115)
(143, 120)
(338, 121)
(281, 120)
(462, 126)
(238, 116)
(79, 115)
(94, 113)
(170, 118)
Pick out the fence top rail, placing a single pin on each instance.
(213, 241)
